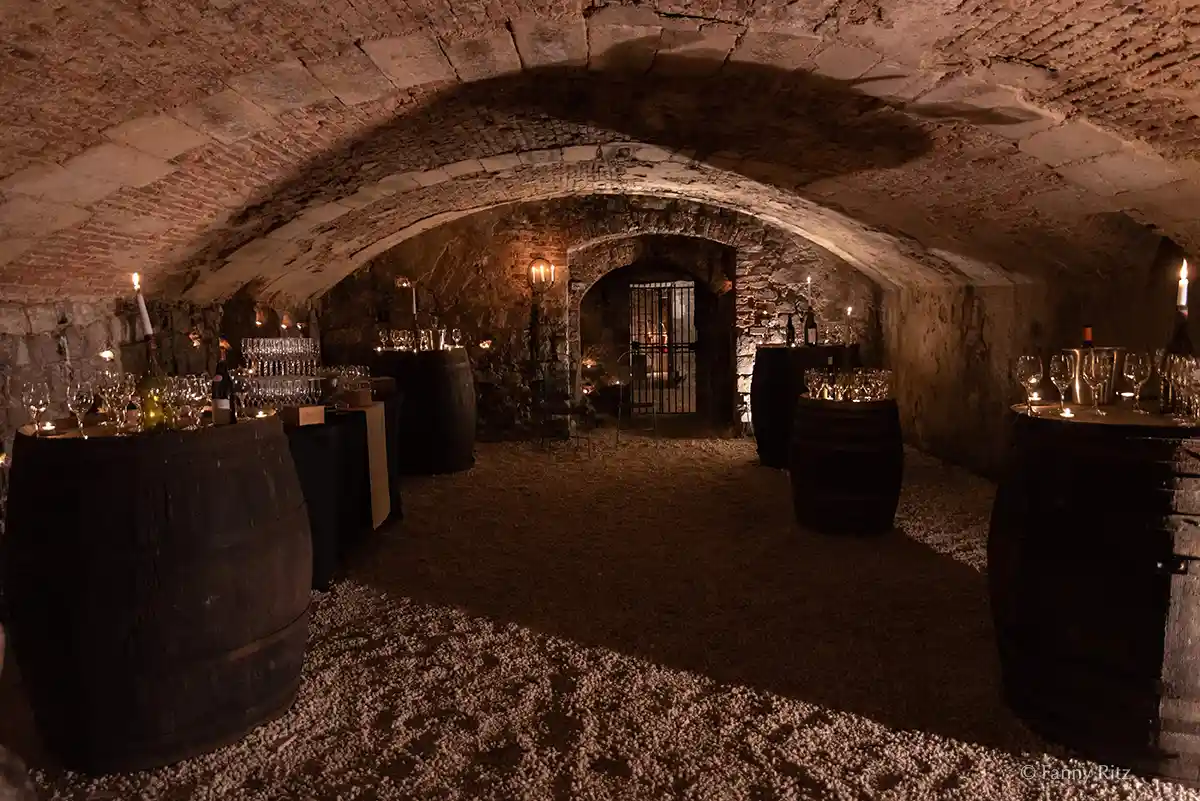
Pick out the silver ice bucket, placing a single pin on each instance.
(1081, 393)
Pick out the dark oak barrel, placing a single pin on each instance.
(158, 590)
(437, 419)
(847, 464)
(1095, 589)
(777, 381)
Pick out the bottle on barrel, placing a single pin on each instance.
(1087, 338)
(810, 327)
(791, 332)
(222, 389)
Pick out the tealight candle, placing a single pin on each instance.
(1035, 396)
(47, 426)
(1067, 413)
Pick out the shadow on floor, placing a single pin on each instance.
(687, 556)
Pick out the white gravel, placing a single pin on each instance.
(647, 623)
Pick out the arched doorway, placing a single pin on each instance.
(657, 339)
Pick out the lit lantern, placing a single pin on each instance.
(541, 274)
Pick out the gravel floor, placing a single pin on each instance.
(646, 623)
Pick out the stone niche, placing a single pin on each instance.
(472, 274)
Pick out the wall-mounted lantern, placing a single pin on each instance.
(541, 275)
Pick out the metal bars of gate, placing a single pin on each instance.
(662, 342)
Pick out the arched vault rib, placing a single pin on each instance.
(211, 166)
(344, 235)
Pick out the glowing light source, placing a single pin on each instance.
(541, 274)
(1181, 298)
(107, 354)
(1067, 412)
(47, 426)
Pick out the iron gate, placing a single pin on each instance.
(662, 347)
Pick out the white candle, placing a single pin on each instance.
(1181, 298)
(137, 288)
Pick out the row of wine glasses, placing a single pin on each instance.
(1181, 375)
(424, 339)
(1096, 370)
(857, 384)
(279, 356)
(277, 391)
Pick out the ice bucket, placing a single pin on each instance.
(1081, 393)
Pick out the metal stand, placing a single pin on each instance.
(621, 400)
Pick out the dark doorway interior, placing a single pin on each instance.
(659, 340)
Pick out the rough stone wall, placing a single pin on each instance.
(952, 352)
(773, 280)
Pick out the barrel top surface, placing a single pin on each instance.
(821, 403)
(1115, 420)
(172, 440)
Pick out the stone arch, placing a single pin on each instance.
(92, 188)
(589, 261)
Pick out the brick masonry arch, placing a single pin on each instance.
(171, 175)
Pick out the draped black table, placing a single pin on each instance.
(332, 463)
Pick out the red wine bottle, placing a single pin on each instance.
(810, 328)
(791, 332)
(1087, 337)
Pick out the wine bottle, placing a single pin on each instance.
(1087, 337)
(150, 390)
(810, 327)
(222, 391)
(791, 332)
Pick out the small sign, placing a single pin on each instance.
(575, 285)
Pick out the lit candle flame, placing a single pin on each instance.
(107, 355)
(1067, 412)
(1181, 301)
(849, 310)
(137, 282)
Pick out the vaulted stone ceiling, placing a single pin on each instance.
(283, 144)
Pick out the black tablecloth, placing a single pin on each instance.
(335, 476)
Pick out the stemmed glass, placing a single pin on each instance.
(36, 398)
(1097, 369)
(1062, 373)
(1029, 375)
(456, 336)
(80, 397)
(1137, 370)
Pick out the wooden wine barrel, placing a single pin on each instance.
(158, 590)
(777, 380)
(847, 464)
(1095, 589)
(437, 419)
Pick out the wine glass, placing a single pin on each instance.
(80, 397)
(1097, 369)
(1029, 375)
(456, 336)
(35, 396)
(1062, 373)
(1137, 370)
